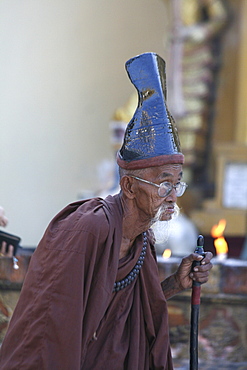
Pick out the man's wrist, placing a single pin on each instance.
(171, 286)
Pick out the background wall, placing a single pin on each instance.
(61, 77)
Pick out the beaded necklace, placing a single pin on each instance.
(121, 284)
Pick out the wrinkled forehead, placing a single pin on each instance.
(165, 171)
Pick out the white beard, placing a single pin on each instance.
(162, 229)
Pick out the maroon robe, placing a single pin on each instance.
(67, 316)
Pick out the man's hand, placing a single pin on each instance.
(185, 275)
(183, 278)
(3, 218)
(3, 248)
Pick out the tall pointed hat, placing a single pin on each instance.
(151, 138)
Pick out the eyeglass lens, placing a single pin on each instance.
(165, 188)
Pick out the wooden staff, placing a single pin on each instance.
(195, 307)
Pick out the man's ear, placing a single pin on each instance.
(127, 186)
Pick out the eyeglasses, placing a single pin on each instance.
(165, 188)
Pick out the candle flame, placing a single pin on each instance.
(217, 233)
(167, 253)
(218, 230)
(221, 245)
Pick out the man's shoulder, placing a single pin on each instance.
(93, 215)
(79, 215)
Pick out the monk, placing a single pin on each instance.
(92, 298)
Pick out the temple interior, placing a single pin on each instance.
(65, 102)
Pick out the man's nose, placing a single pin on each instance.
(172, 196)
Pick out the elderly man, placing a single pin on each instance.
(92, 298)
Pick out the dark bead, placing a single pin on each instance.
(119, 285)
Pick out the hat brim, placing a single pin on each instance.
(150, 162)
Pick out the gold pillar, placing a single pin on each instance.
(233, 150)
(241, 98)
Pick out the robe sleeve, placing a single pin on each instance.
(65, 293)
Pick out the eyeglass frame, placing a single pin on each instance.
(158, 186)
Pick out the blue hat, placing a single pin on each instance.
(151, 138)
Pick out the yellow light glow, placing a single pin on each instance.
(220, 243)
(218, 230)
(167, 253)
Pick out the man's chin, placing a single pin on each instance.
(162, 229)
(165, 217)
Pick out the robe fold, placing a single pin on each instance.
(69, 318)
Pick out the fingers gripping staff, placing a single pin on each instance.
(195, 307)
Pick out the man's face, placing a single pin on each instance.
(148, 201)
